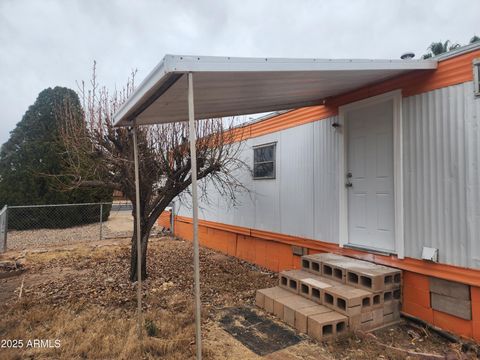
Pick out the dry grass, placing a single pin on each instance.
(92, 332)
(81, 295)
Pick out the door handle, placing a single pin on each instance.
(349, 184)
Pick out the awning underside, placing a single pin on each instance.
(250, 87)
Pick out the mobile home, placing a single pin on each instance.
(376, 159)
(389, 172)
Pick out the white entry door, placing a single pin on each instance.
(369, 178)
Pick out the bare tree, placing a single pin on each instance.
(101, 155)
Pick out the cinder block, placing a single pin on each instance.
(373, 277)
(355, 272)
(391, 295)
(312, 288)
(260, 299)
(391, 307)
(377, 300)
(312, 264)
(394, 316)
(452, 306)
(290, 305)
(278, 304)
(361, 321)
(347, 300)
(377, 317)
(449, 288)
(301, 316)
(290, 280)
(335, 266)
(270, 294)
(325, 325)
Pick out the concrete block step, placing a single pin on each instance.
(313, 287)
(302, 315)
(358, 273)
(265, 297)
(290, 279)
(347, 300)
(326, 325)
(319, 321)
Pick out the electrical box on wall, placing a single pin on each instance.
(430, 254)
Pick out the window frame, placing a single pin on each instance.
(476, 77)
(274, 161)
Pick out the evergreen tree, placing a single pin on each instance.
(34, 153)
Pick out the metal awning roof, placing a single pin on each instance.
(227, 86)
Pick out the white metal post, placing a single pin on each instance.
(101, 217)
(139, 235)
(172, 219)
(196, 261)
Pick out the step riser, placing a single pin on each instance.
(301, 284)
(313, 289)
(321, 329)
(353, 272)
(290, 280)
(372, 283)
(301, 317)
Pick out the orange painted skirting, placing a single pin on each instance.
(443, 271)
(164, 219)
(449, 72)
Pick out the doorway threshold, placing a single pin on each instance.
(369, 250)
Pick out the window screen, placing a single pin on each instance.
(264, 161)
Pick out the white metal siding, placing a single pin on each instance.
(326, 168)
(303, 198)
(441, 174)
(296, 181)
(441, 132)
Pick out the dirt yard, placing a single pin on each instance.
(80, 296)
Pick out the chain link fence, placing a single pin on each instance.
(3, 229)
(36, 226)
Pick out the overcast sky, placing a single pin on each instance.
(45, 43)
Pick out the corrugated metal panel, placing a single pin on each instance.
(326, 160)
(302, 200)
(441, 174)
(296, 181)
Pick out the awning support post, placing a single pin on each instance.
(196, 257)
(139, 235)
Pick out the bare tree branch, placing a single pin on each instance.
(98, 154)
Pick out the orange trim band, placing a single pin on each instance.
(443, 271)
(449, 72)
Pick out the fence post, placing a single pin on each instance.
(101, 218)
(6, 228)
(4, 211)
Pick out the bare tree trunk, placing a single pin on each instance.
(133, 255)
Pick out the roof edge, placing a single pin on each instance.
(457, 52)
